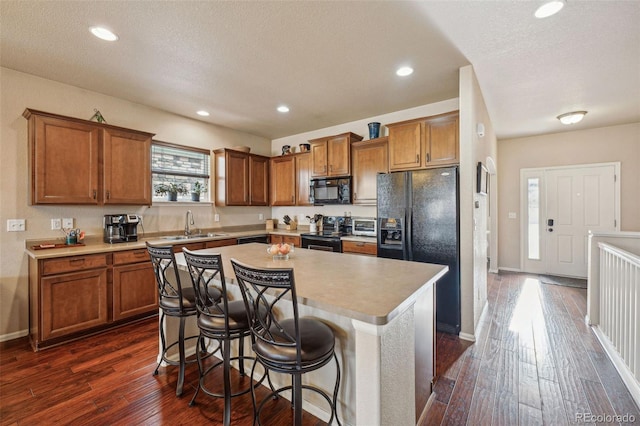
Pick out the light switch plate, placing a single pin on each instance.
(216, 217)
(56, 224)
(512, 215)
(67, 222)
(15, 225)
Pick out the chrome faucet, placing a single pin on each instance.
(188, 220)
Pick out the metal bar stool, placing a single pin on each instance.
(292, 346)
(223, 320)
(174, 301)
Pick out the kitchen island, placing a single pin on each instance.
(382, 313)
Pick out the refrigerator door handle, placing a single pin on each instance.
(406, 235)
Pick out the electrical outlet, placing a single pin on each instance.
(67, 222)
(260, 216)
(56, 224)
(15, 225)
(216, 217)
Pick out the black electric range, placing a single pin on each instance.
(329, 239)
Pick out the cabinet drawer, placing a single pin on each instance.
(130, 256)
(221, 243)
(359, 247)
(191, 246)
(73, 263)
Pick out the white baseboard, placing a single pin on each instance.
(472, 337)
(467, 336)
(14, 335)
(627, 376)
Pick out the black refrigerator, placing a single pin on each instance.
(419, 220)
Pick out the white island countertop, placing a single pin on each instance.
(364, 288)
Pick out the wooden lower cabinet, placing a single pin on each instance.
(73, 296)
(135, 291)
(73, 302)
(360, 247)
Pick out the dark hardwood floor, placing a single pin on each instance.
(535, 362)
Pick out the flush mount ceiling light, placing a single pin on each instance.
(549, 8)
(283, 108)
(572, 117)
(103, 33)
(404, 71)
(202, 113)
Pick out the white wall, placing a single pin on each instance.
(600, 145)
(20, 91)
(474, 208)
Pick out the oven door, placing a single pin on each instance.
(315, 242)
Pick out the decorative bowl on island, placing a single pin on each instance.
(280, 251)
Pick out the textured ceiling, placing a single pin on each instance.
(334, 62)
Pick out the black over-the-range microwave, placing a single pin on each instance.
(330, 191)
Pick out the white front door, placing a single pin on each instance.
(562, 204)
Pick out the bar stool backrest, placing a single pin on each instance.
(167, 278)
(269, 289)
(206, 270)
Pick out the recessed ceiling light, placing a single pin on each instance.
(202, 113)
(549, 8)
(103, 33)
(283, 108)
(572, 117)
(404, 71)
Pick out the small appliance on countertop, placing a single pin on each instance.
(120, 228)
(363, 226)
(328, 239)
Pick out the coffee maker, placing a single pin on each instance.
(120, 228)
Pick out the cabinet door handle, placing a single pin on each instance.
(360, 244)
(417, 158)
(428, 157)
(140, 253)
(77, 261)
(355, 196)
(108, 195)
(324, 168)
(95, 194)
(293, 198)
(331, 167)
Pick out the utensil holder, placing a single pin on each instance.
(374, 130)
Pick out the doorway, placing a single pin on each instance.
(559, 206)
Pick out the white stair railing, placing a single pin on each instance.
(619, 326)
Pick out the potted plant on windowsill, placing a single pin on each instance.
(171, 189)
(196, 189)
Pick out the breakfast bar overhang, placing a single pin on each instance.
(382, 312)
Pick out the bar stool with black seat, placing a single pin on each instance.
(175, 300)
(292, 346)
(223, 320)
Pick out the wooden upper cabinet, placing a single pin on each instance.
(303, 179)
(63, 161)
(290, 179)
(424, 142)
(241, 179)
(258, 180)
(75, 161)
(441, 140)
(331, 156)
(127, 182)
(283, 180)
(369, 158)
(405, 145)
(319, 156)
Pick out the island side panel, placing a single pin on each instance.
(385, 371)
(425, 356)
